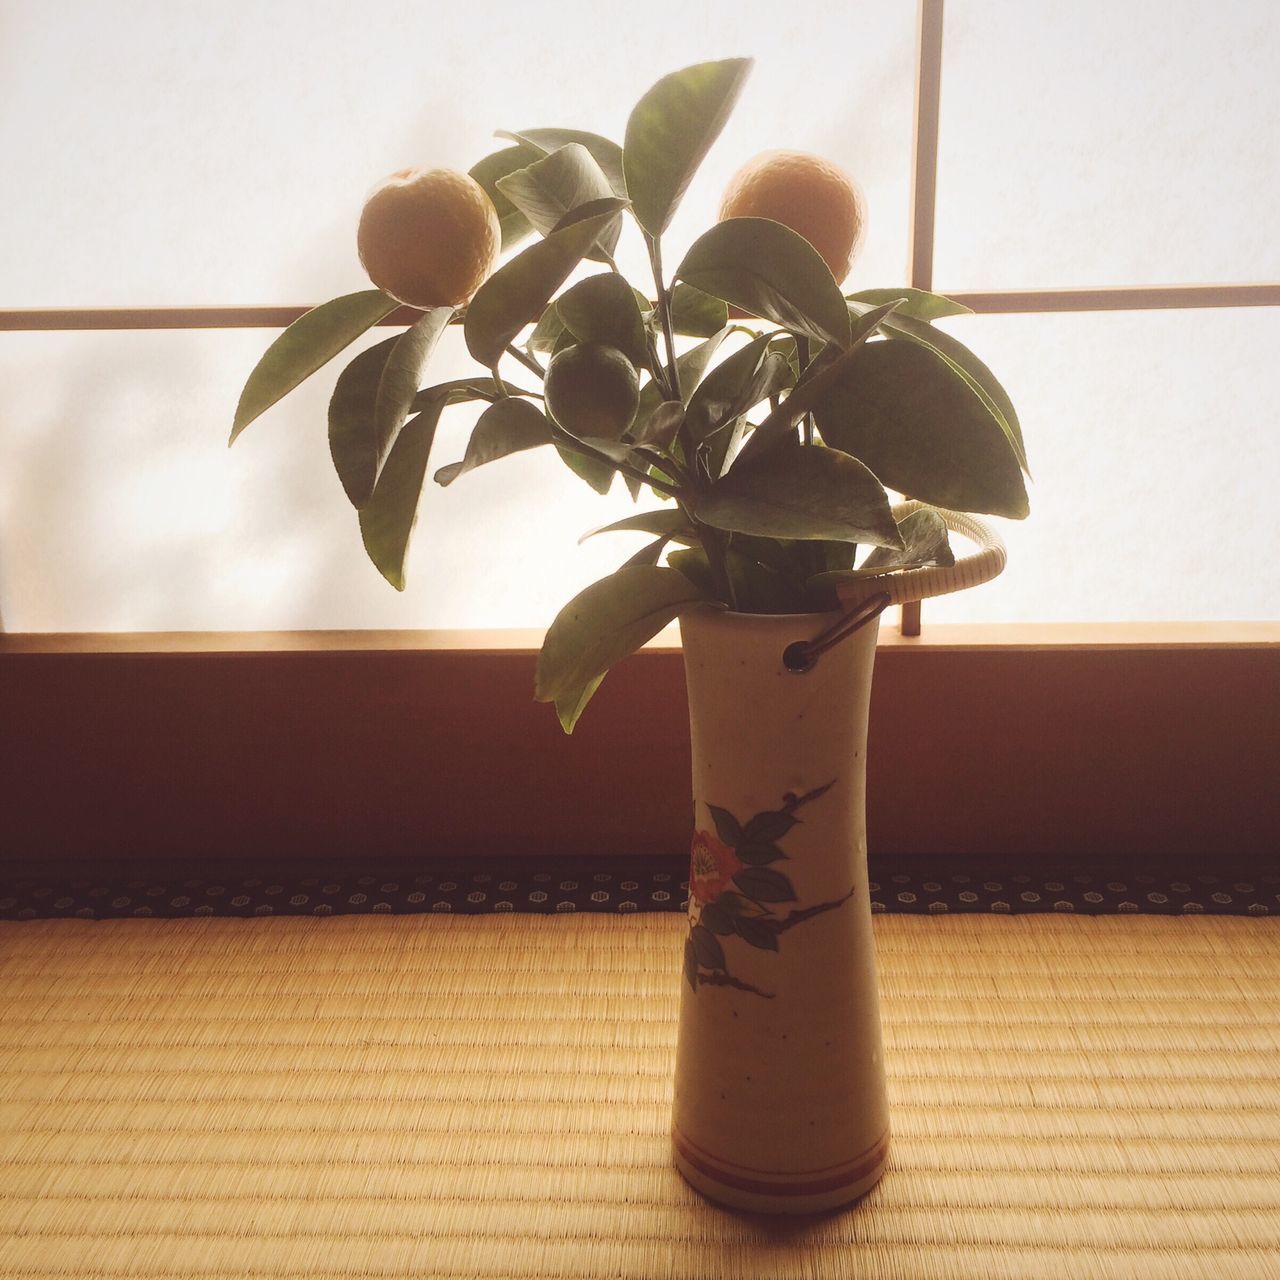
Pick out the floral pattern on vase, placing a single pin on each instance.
(736, 893)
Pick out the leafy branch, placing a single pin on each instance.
(768, 518)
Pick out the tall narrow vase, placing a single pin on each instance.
(780, 1092)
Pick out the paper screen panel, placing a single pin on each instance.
(1093, 143)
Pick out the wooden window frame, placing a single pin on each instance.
(1130, 741)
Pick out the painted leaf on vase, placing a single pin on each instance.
(707, 947)
(759, 854)
(767, 827)
(756, 933)
(734, 903)
(763, 885)
(726, 825)
(717, 919)
(735, 895)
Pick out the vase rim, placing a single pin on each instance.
(732, 615)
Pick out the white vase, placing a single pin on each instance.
(779, 1093)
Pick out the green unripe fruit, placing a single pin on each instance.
(592, 390)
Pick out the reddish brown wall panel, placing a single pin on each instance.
(110, 758)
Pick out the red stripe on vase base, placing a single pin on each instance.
(762, 1182)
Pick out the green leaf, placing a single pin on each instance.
(599, 475)
(902, 410)
(388, 518)
(925, 541)
(708, 403)
(557, 184)
(505, 427)
(461, 390)
(570, 706)
(373, 396)
(518, 291)
(770, 271)
(353, 440)
(779, 426)
(757, 589)
(547, 332)
(697, 314)
(669, 132)
(772, 825)
(805, 493)
(401, 376)
(665, 523)
(606, 153)
(762, 884)
(756, 933)
(308, 343)
(605, 623)
(661, 427)
(706, 947)
(717, 919)
(916, 303)
(616, 452)
(651, 553)
(966, 365)
(515, 226)
(757, 855)
(603, 308)
(692, 366)
(727, 827)
(735, 385)
(694, 566)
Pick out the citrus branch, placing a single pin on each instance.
(525, 359)
(664, 312)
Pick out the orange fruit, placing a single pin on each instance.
(810, 195)
(429, 237)
(592, 390)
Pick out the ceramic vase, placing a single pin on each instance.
(780, 1091)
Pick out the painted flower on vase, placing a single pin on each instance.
(736, 891)
(712, 866)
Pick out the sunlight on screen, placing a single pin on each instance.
(161, 154)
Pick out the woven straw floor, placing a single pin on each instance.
(399, 1096)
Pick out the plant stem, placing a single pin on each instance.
(655, 367)
(527, 360)
(664, 311)
(802, 360)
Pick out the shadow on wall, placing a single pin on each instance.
(120, 507)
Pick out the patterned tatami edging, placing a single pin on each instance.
(481, 886)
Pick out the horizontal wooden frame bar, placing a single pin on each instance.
(142, 318)
(1121, 298)
(1013, 301)
(285, 749)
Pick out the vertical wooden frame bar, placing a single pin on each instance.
(924, 169)
(924, 181)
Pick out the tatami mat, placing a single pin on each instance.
(428, 1096)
